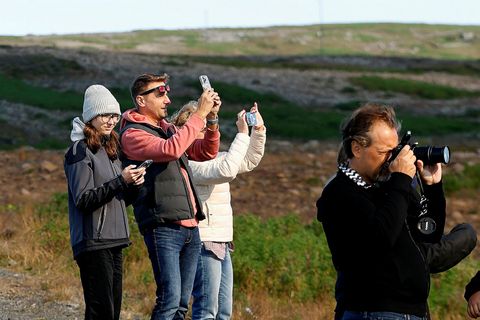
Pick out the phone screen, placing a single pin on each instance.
(145, 164)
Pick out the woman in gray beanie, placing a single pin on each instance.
(98, 191)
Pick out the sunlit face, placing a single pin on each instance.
(367, 161)
(154, 103)
(105, 123)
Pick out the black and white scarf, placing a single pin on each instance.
(354, 176)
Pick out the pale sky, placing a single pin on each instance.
(21, 17)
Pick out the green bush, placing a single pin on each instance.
(283, 118)
(16, 90)
(411, 87)
(283, 257)
(469, 178)
(428, 126)
(447, 288)
(289, 260)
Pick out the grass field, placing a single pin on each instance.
(280, 263)
(285, 119)
(407, 40)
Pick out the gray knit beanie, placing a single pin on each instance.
(98, 100)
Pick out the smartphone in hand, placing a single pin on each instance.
(251, 119)
(205, 82)
(145, 164)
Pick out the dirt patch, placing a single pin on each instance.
(21, 299)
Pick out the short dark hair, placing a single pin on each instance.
(357, 126)
(140, 84)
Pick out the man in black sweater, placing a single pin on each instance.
(370, 214)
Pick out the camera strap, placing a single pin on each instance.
(425, 225)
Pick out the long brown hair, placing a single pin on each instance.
(95, 140)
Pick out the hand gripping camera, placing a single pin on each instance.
(429, 155)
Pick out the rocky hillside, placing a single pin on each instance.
(310, 83)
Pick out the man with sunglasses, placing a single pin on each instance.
(167, 210)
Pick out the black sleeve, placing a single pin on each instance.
(472, 287)
(94, 198)
(130, 194)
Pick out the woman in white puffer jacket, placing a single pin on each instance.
(213, 288)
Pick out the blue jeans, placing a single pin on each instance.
(383, 315)
(213, 288)
(173, 251)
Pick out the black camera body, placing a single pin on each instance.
(428, 154)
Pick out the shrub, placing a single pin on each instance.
(16, 90)
(411, 87)
(469, 178)
(283, 257)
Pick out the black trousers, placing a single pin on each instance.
(101, 274)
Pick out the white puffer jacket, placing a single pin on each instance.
(212, 178)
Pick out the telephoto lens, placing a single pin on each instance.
(432, 155)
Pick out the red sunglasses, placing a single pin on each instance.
(162, 89)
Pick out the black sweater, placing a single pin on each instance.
(382, 266)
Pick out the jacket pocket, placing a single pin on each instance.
(101, 221)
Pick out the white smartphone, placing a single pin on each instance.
(145, 164)
(205, 82)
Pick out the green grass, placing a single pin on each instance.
(428, 126)
(283, 118)
(283, 257)
(447, 289)
(293, 62)
(411, 87)
(16, 90)
(279, 255)
(30, 65)
(288, 120)
(468, 178)
(123, 97)
(371, 39)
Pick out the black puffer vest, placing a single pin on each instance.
(164, 195)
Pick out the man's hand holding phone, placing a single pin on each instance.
(207, 100)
